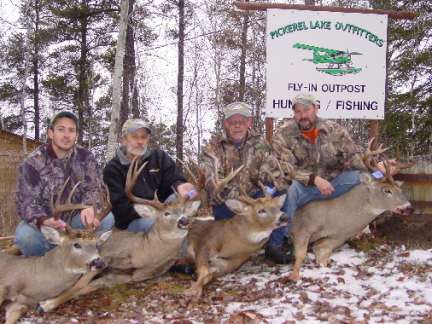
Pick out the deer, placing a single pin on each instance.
(135, 257)
(328, 224)
(220, 247)
(25, 281)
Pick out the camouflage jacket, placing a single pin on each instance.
(333, 152)
(256, 156)
(42, 176)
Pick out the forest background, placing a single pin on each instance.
(184, 60)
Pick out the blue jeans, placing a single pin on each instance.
(31, 241)
(299, 195)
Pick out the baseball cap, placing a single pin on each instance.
(304, 99)
(237, 108)
(132, 125)
(64, 114)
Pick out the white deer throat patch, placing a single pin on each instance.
(258, 237)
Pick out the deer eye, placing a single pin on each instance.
(167, 214)
(77, 246)
(387, 191)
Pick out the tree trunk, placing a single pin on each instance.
(180, 77)
(23, 80)
(36, 73)
(118, 71)
(128, 70)
(242, 80)
(83, 85)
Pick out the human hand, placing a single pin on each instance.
(392, 165)
(88, 218)
(324, 187)
(58, 224)
(187, 190)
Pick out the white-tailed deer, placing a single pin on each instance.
(220, 247)
(26, 281)
(327, 224)
(136, 257)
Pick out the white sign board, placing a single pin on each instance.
(339, 58)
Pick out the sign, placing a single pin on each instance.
(339, 58)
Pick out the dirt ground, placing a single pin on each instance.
(162, 298)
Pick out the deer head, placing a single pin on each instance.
(78, 254)
(386, 193)
(263, 211)
(167, 216)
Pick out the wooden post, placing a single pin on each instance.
(269, 129)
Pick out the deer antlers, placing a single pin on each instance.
(219, 184)
(131, 178)
(57, 207)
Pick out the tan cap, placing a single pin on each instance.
(132, 125)
(304, 99)
(237, 108)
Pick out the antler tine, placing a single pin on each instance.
(263, 189)
(131, 178)
(244, 197)
(231, 176)
(106, 203)
(58, 208)
(215, 161)
(193, 177)
(388, 175)
(370, 153)
(180, 199)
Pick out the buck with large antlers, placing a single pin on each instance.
(26, 281)
(327, 224)
(220, 247)
(138, 256)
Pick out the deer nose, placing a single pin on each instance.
(183, 222)
(405, 210)
(97, 263)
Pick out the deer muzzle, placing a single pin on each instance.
(183, 222)
(97, 264)
(404, 210)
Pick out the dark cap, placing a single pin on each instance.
(64, 114)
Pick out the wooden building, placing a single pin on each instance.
(11, 155)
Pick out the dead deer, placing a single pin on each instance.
(26, 281)
(134, 257)
(220, 247)
(327, 224)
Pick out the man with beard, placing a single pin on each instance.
(159, 175)
(327, 162)
(41, 177)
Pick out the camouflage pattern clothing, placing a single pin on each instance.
(333, 152)
(42, 175)
(256, 156)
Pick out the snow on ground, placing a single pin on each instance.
(387, 285)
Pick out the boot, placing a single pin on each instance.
(278, 255)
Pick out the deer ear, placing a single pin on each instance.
(191, 207)
(145, 211)
(52, 235)
(280, 200)
(236, 206)
(104, 237)
(399, 183)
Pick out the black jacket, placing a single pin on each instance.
(159, 174)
